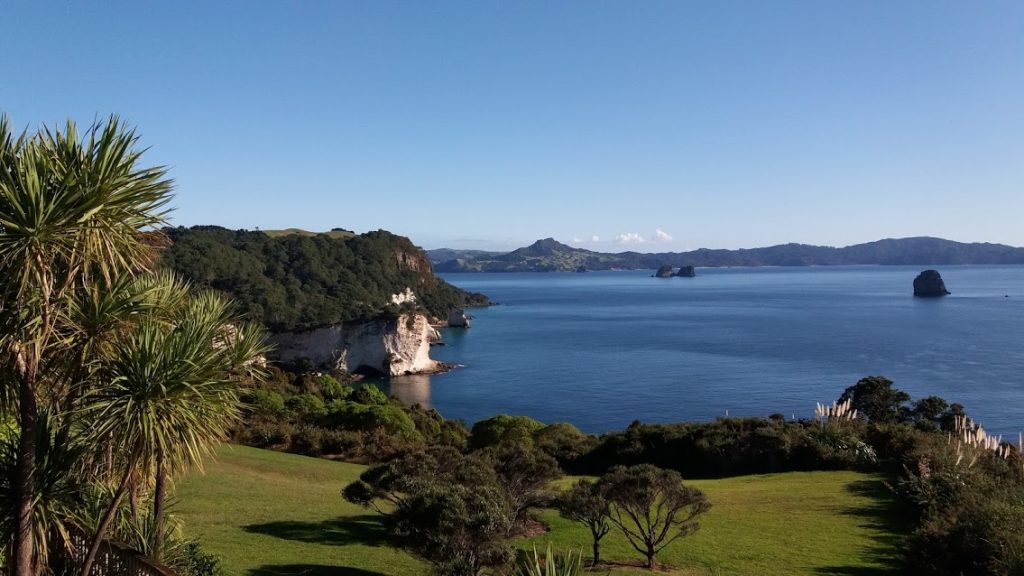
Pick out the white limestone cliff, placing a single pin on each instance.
(389, 346)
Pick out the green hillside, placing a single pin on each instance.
(296, 280)
(549, 255)
(335, 233)
(268, 514)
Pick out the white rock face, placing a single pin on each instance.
(390, 346)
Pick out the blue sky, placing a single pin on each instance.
(491, 124)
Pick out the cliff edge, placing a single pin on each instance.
(386, 346)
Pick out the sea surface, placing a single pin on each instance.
(603, 349)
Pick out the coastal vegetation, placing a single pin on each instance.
(949, 478)
(300, 281)
(115, 379)
(268, 513)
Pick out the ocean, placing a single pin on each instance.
(603, 349)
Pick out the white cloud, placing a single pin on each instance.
(577, 240)
(629, 238)
(595, 238)
(661, 236)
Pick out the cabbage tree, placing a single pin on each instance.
(168, 393)
(72, 210)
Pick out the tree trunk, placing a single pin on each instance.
(159, 498)
(597, 553)
(101, 531)
(650, 559)
(24, 535)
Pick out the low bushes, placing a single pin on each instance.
(323, 415)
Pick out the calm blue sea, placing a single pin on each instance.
(605, 348)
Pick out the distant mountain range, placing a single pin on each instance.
(549, 255)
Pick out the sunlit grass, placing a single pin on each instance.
(300, 232)
(266, 513)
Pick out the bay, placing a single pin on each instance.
(603, 349)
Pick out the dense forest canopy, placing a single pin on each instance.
(294, 282)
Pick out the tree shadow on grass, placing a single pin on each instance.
(888, 518)
(309, 570)
(366, 529)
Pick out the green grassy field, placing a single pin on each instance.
(300, 232)
(269, 514)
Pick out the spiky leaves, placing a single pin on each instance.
(72, 208)
(58, 483)
(568, 564)
(168, 390)
(169, 384)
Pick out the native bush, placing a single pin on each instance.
(651, 507)
(296, 282)
(565, 443)
(525, 473)
(447, 508)
(587, 504)
(503, 429)
(875, 398)
(306, 405)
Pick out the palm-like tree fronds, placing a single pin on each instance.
(58, 484)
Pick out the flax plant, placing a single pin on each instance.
(569, 564)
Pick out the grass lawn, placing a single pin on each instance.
(300, 232)
(268, 514)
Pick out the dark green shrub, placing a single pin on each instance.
(267, 401)
(305, 405)
(453, 433)
(308, 440)
(349, 415)
(875, 399)
(525, 472)
(194, 561)
(565, 443)
(447, 508)
(369, 394)
(503, 429)
(263, 433)
(331, 389)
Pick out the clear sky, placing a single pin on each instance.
(641, 124)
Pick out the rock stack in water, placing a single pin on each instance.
(458, 319)
(686, 272)
(929, 284)
(664, 272)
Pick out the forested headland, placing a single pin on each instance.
(299, 281)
